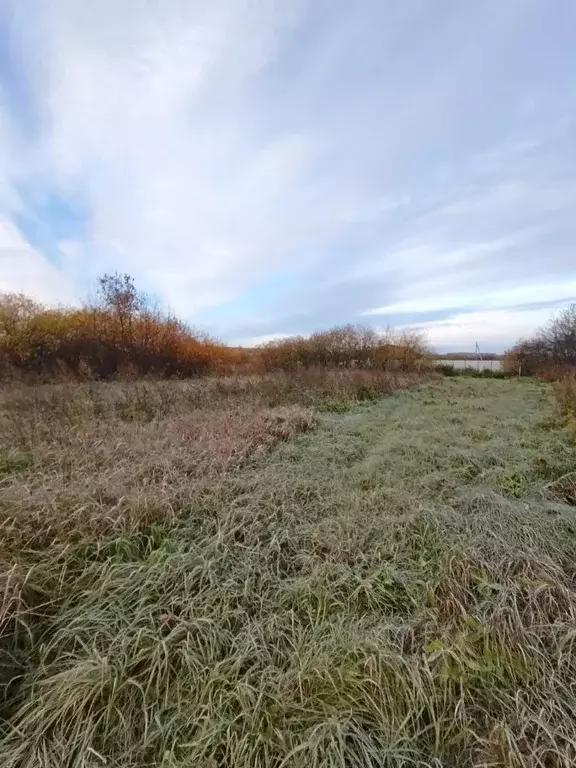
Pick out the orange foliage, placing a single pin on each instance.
(102, 341)
(121, 334)
(348, 346)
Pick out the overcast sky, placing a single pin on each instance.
(273, 167)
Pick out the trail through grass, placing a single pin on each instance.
(396, 588)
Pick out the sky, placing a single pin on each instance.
(266, 168)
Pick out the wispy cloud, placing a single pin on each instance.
(498, 298)
(269, 168)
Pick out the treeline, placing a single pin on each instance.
(550, 353)
(121, 333)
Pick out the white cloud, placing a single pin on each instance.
(494, 329)
(216, 145)
(150, 120)
(22, 267)
(146, 117)
(499, 298)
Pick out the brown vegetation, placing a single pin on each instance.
(95, 457)
(78, 455)
(349, 345)
(550, 353)
(102, 459)
(122, 335)
(565, 389)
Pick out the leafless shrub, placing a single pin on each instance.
(550, 353)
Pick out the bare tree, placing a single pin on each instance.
(119, 295)
(552, 347)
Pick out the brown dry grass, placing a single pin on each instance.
(93, 458)
(121, 470)
(565, 390)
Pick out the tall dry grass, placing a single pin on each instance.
(565, 390)
(82, 461)
(99, 457)
(564, 487)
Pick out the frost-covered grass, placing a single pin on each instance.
(394, 588)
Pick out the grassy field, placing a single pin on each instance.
(394, 585)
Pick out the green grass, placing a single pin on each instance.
(393, 589)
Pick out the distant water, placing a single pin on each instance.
(482, 365)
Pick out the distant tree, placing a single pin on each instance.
(551, 350)
(559, 337)
(119, 295)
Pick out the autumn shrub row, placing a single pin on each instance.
(347, 346)
(89, 343)
(122, 334)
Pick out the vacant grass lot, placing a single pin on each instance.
(394, 588)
